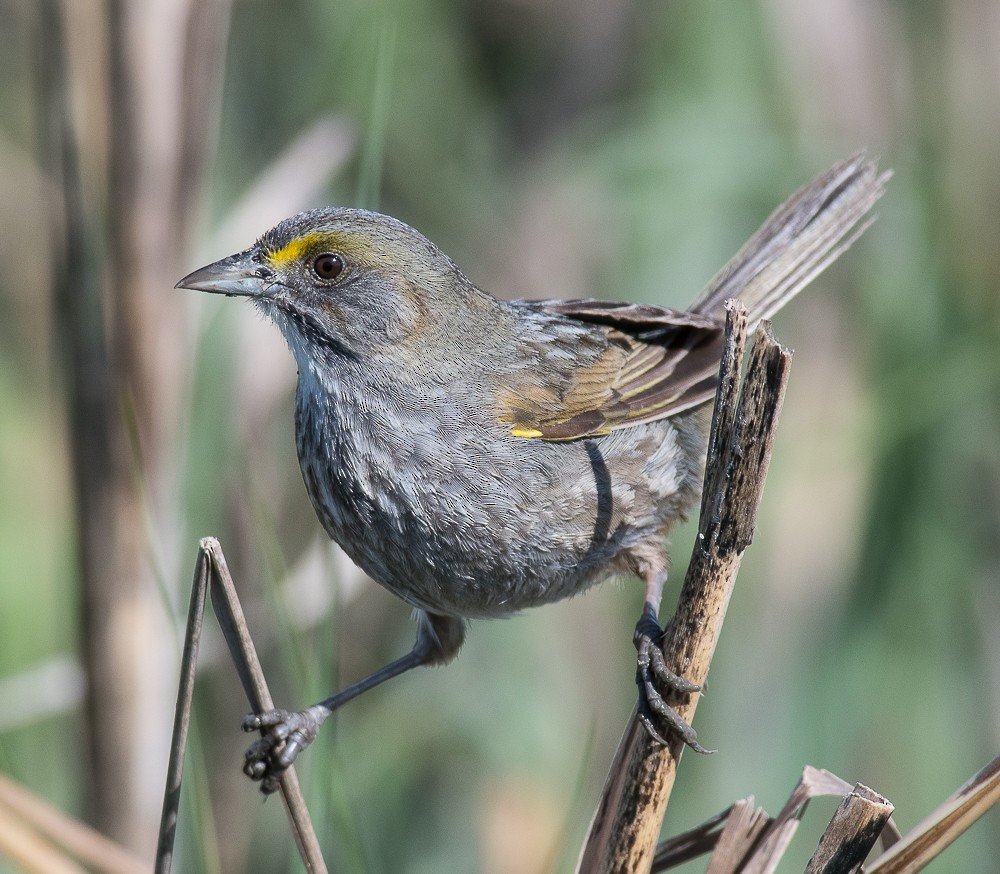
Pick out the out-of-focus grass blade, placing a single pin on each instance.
(290, 184)
(370, 173)
(39, 837)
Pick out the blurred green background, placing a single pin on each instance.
(552, 148)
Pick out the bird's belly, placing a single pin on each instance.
(479, 530)
(460, 546)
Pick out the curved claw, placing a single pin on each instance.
(272, 721)
(652, 675)
(652, 664)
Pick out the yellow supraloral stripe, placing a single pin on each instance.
(294, 249)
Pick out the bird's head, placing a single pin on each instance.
(356, 283)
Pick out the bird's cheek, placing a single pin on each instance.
(340, 322)
(390, 316)
(405, 321)
(369, 326)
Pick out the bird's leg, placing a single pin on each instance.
(285, 734)
(653, 676)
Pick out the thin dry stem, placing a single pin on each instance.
(627, 823)
(744, 839)
(853, 830)
(944, 825)
(212, 573)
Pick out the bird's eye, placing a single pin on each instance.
(328, 266)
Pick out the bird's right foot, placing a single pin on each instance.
(656, 681)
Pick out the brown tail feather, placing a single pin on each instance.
(800, 238)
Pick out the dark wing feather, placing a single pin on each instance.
(645, 364)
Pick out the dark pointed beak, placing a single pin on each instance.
(235, 276)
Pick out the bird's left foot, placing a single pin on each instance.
(655, 679)
(283, 736)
